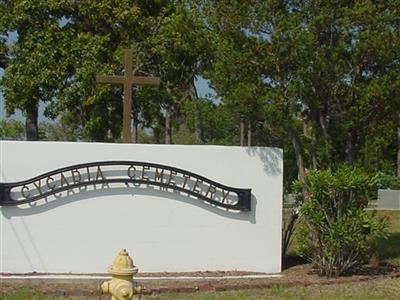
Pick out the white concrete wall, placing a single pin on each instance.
(163, 231)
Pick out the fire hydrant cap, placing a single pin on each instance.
(123, 264)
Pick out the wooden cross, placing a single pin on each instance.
(128, 81)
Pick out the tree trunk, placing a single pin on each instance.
(198, 132)
(299, 156)
(249, 134)
(398, 146)
(241, 133)
(349, 148)
(325, 132)
(134, 130)
(314, 150)
(314, 142)
(168, 128)
(158, 135)
(31, 123)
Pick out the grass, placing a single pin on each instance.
(383, 289)
(29, 294)
(23, 293)
(389, 249)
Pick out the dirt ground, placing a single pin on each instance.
(297, 273)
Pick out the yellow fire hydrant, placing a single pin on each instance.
(121, 286)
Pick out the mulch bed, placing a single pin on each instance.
(300, 275)
(153, 274)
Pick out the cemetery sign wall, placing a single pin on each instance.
(190, 204)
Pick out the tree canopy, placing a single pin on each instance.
(317, 78)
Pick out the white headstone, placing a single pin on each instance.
(388, 199)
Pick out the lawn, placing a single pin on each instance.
(377, 289)
(380, 289)
(389, 249)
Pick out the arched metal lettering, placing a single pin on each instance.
(79, 177)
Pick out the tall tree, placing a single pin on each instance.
(61, 45)
(328, 71)
(34, 71)
(3, 52)
(178, 48)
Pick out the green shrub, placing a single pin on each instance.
(337, 235)
(386, 181)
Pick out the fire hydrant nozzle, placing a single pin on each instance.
(121, 286)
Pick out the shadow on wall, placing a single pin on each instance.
(271, 159)
(49, 203)
(33, 249)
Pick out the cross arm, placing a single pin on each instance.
(110, 79)
(141, 80)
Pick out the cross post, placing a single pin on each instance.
(128, 80)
